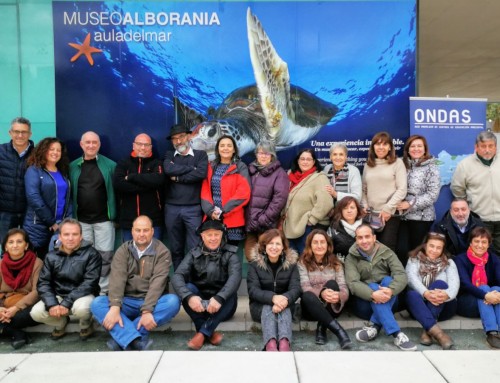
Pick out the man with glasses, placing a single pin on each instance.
(94, 200)
(185, 169)
(138, 181)
(13, 156)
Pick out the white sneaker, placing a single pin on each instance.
(404, 343)
(366, 334)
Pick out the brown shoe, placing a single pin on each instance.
(216, 338)
(86, 333)
(441, 337)
(59, 333)
(196, 342)
(493, 339)
(425, 338)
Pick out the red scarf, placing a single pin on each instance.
(24, 266)
(298, 176)
(479, 273)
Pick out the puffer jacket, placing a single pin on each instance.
(263, 286)
(12, 170)
(342, 241)
(216, 274)
(424, 185)
(270, 187)
(70, 276)
(41, 194)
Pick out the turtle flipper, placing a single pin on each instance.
(186, 115)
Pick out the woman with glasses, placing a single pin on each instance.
(308, 202)
(479, 271)
(433, 286)
(269, 183)
(273, 287)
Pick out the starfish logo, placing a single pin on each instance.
(84, 49)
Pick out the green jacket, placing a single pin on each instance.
(107, 168)
(359, 271)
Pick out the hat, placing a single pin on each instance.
(211, 224)
(177, 129)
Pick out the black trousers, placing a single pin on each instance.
(314, 309)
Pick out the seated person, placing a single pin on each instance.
(273, 287)
(433, 286)
(479, 272)
(68, 282)
(207, 281)
(137, 301)
(456, 225)
(375, 277)
(19, 270)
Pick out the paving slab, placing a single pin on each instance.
(222, 367)
(466, 366)
(80, 367)
(363, 366)
(9, 363)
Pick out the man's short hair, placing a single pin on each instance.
(70, 221)
(364, 225)
(143, 216)
(21, 120)
(486, 135)
(459, 199)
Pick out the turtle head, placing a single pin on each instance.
(205, 135)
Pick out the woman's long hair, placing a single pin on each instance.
(406, 154)
(342, 204)
(268, 236)
(38, 157)
(329, 260)
(384, 138)
(421, 248)
(295, 164)
(236, 155)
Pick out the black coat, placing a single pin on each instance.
(342, 241)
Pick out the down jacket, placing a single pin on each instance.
(269, 194)
(263, 286)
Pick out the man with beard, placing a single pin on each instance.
(185, 169)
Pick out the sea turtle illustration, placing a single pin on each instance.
(272, 109)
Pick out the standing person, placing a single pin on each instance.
(433, 287)
(138, 181)
(68, 283)
(226, 189)
(270, 185)
(476, 179)
(185, 169)
(13, 157)
(424, 184)
(47, 192)
(324, 289)
(479, 296)
(138, 299)
(19, 271)
(273, 287)
(207, 282)
(376, 277)
(345, 179)
(308, 202)
(384, 186)
(94, 200)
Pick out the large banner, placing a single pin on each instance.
(303, 74)
(450, 126)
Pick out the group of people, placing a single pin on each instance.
(319, 234)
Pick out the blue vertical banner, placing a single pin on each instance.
(450, 126)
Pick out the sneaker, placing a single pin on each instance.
(403, 343)
(367, 333)
(493, 339)
(113, 346)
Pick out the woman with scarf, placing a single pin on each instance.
(308, 202)
(479, 271)
(433, 286)
(269, 183)
(347, 216)
(345, 179)
(19, 270)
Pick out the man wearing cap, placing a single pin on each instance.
(185, 169)
(139, 182)
(207, 281)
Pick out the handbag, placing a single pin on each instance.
(11, 300)
(373, 219)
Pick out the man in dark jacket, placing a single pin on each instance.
(456, 225)
(185, 168)
(139, 180)
(138, 299)
(13, 156)
(207, 281)
(68, 282)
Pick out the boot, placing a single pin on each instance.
(425, 338)
(441, 337)
(320, 334)
(341, 334)
(18, 337)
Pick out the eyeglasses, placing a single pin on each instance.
(142, 144)
(306, 159)
(263, 154)
(433, 233)
(20, 132)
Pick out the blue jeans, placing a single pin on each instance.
(166, 308)
(490, 314)
(127, 234)
(205, 322)
(380, 314)
(425, 312)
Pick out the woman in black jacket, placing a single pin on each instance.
(273, 287)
